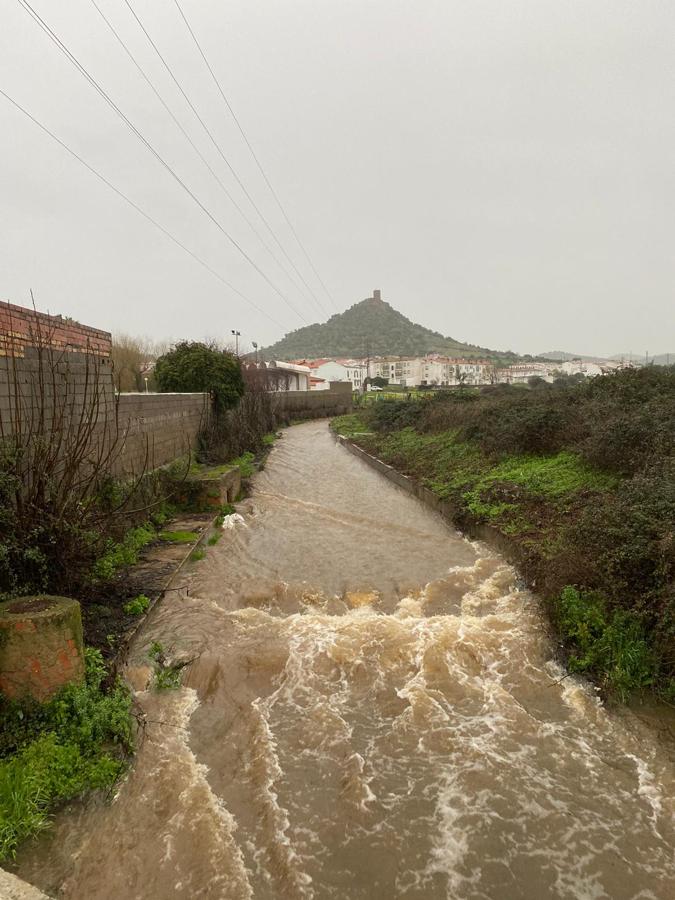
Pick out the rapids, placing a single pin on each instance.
(373, 711)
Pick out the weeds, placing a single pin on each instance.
(137, 606)
(122, 554)
(611, 645)
(167, 675)
(58, 750)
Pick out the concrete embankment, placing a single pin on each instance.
(474, 529)
(13, 888)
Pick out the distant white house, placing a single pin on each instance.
(282, 376)
(324, 371)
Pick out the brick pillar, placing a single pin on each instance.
(41, 647)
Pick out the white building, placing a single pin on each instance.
(283, 376)
(432, 370)
(324, 371)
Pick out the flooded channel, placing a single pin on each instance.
(373, 711)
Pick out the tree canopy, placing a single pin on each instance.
(195, 366)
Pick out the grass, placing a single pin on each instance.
(349, 424)
(551, 476)
(60, 750)
(201, 470)
(178, 537)
(197, 555)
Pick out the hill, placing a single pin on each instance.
(371, 326)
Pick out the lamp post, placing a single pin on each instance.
(237, 335)
(145, 379)
(255, 347)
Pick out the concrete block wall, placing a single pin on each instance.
(156, 429)
(51, 368)
(152, 429)
(315, 404)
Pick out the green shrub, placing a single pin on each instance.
(137, 606)
(198, 367)
(610, 644)
(245, 463)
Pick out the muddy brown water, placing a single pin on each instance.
(373, 712)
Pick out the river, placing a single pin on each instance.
(373, 711)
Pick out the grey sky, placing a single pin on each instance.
(501, 169)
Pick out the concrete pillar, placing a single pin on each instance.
(41, 647)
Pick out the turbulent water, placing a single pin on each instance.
(372, 712)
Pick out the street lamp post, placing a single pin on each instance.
(237, 335)
(255, 347)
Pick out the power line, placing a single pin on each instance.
(138, 209)
(255, 157)
(189, 139)
(59, 43)
(211, 137)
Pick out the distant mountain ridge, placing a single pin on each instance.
(372, 327)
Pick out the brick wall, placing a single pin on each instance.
(51, 369)
(22, 328)
(152, 429)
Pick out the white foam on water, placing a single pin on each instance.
(264, 771)
(232, 520)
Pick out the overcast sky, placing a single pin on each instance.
(502, 169)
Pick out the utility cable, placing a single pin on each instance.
(254, 155)
(191, 142)
(216, 145)
(54, 37)
(138, 209)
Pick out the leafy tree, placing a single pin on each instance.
(131, 359)
(194, 366)
(379, 381)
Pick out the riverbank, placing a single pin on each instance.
(576, 498)
(83, 739)
(365, 684)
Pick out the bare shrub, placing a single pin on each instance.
(59, 442)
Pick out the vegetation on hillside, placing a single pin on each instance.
(582, 480)
(369, 326)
